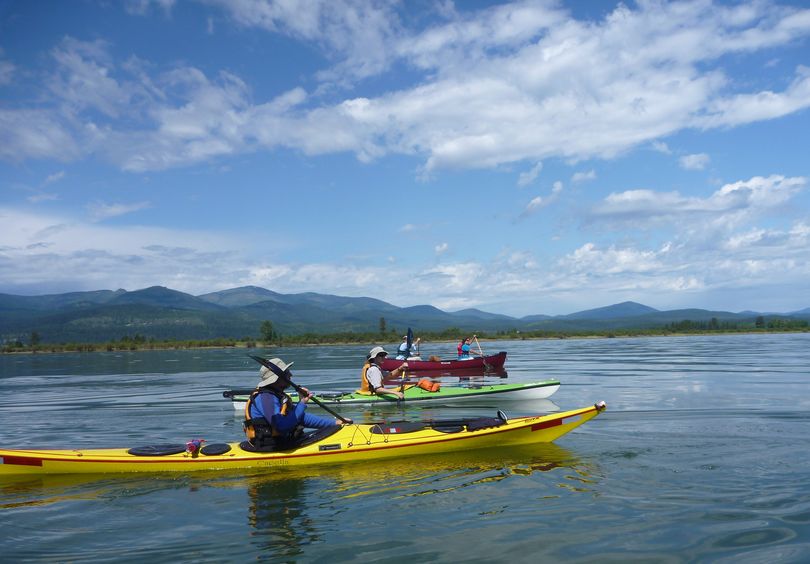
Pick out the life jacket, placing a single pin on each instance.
(458, 348)
(365, 387)
(403, 352)
(259, 430)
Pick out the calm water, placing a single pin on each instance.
(701, 456)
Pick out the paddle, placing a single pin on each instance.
(479, 346)
(301, 392)
(481, 352)
(408, 343)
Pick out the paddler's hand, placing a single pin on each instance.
(304, 394)
(346, 421)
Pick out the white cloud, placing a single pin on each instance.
(360, 35)
(43, 253)
(441, 248)
(540, 202)
(100, 210)
(697, 161)
(661, 147)
(55, 177)
(530, 176)
(730, 205)
(143, 7)
(6, 71)
(580, 177)
(42, 197)
(517, 82)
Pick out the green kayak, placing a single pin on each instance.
(414, 394)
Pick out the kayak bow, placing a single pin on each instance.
(349, 443)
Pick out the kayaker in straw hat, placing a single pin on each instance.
(270, 415)
(371, 379)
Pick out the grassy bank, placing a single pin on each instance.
(138, 343)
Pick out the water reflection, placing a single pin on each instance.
(287, 509)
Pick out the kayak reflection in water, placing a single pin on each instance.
(271, 418)
(278, 513)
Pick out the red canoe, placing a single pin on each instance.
(477, 364)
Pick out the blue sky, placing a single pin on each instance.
(521, 158)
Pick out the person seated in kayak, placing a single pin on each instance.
(270, 415)
(373, 376)
(404, 351)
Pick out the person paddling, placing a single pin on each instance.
(270, 415)
(464, 350)
(371, 378)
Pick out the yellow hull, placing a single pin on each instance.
(352, 443)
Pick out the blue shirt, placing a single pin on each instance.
(465, 352)
(268, 405)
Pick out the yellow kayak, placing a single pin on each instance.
(348, 443)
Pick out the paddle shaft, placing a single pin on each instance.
(301, 392)
(481, 352)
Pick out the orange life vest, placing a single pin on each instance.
(365, 387)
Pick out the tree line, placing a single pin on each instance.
(269, 336)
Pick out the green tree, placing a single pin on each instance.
(34, 338)
(268, 333)
(760, 322)
(382, 326)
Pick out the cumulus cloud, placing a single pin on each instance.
(360, 35)
(698, 161)
(42, 197)
(732, 203)
(579, 177)
(6, 71)
(55, 177)
(441, 248)
(143, 7)
(530, 176)
(517, 82)
(540, 202)
(100, 210)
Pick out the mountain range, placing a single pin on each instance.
(162, 313)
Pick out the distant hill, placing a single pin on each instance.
(236, 297)
(624, 309)
(158, 296)
(162, 313)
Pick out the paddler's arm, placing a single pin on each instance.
(396, 372)
(314, 421)
(389, 392)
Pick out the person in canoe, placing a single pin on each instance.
(270, 415)
(373, 376)
(464, 349)
(405, 351)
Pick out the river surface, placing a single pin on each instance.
(701, 456)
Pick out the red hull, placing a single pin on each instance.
(491, 363)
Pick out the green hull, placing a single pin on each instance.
(524, 391)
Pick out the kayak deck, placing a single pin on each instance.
(521, 391)
(350, 443)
